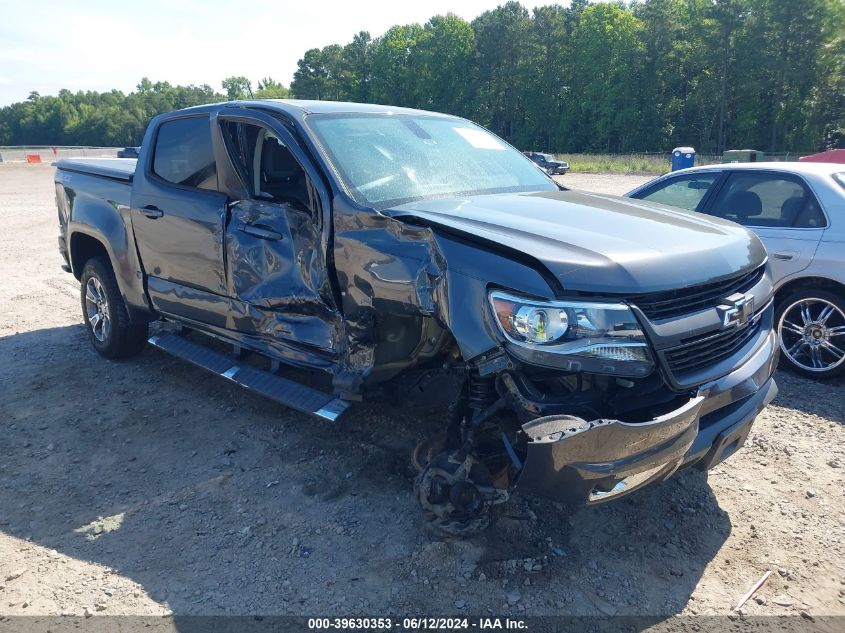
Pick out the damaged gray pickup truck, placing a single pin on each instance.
(599, 343)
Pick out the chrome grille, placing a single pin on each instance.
(703, 351)
(672, 303)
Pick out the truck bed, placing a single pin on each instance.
(114, 168)
(89, 191)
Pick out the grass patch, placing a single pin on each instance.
(624, 163)
(617, 163)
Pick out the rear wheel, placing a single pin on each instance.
(111, 332)
(811, 331)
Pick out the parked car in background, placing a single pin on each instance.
(798, 211)
(548, 162)
(128, 152)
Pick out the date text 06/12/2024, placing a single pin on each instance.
(417, 624)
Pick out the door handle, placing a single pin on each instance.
(785, 255)
(260, 232)
(152, 211)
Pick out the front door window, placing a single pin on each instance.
(686, 192)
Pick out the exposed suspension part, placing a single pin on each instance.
(458, 410)
(455, 486)
(482, 404)
(482, 392)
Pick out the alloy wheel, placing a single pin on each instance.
(812, 334)
(97, 309)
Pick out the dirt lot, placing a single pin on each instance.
(150, 487)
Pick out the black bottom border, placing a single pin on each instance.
(532, 624)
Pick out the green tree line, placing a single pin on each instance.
(603, 77)
(612, 77)
(111, 119)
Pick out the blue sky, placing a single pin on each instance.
(46, 45)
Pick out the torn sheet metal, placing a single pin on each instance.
(277, 278)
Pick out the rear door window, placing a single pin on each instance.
(686, 192)
(768, 200)
(184, 154)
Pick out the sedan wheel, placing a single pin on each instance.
(811, 329)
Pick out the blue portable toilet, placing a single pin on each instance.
(683, 157)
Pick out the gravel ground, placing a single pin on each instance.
(151, 487)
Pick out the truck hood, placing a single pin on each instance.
(598, 243)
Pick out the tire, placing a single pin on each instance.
(810, 324)
(111, 332)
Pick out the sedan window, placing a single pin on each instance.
(768, 200)
(685, 191)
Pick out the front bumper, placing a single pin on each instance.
(575, 461)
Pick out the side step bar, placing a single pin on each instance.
(284, 391)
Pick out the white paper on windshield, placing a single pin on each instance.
(478, 138)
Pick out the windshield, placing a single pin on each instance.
(387, 160)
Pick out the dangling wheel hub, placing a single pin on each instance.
(456, 494)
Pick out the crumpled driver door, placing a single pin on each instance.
(274, 240)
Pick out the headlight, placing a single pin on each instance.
(597, 337)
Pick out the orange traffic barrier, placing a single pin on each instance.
(33, 158)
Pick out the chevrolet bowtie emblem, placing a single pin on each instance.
(736, 309)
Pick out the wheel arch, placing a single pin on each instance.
(83, 247)
(806, 283)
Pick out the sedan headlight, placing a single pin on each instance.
(596, 337)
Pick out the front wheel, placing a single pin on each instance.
(811, 330)
(111, 332)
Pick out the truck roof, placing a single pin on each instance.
(301, 107)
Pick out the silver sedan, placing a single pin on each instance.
(798, 211)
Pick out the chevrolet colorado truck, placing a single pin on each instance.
(321, 253)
